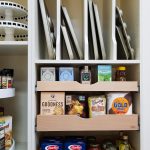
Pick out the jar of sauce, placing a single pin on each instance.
(121, 73)
(94, 147)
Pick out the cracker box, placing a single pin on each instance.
(6, 122)
(52, 103)
(48, 74)
(66, 74)
(97, 105)
(76, 105)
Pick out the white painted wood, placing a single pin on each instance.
(6, 93)
(87, 62)
(85, 38)
(140, 34)
(13, 47)
(21, 146)
(145, 74)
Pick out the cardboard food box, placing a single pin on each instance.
(104, 73)
(76, 105)
(52, 103)
(6, 122)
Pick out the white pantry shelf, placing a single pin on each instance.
(13, 47)
(21, 146)
(87, 62)
(6, 93)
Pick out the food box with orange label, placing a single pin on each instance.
(52, 103)
(6, 122)
(119, 103)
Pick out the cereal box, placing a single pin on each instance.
(52, 103)
(76, 105)
(6, 122)
(97, 105)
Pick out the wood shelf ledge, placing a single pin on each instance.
(76, 86)
(98, 123)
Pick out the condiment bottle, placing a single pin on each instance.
(94, 147)
(120, 139)
(121, 73)
(124, 145)
(10, 78)
(0, 79)
(4, 79)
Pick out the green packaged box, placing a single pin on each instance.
(104, 73)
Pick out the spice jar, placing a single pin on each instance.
(0, 79)
(4, 79)
(94, 147)
(121, 73)
(10, 78)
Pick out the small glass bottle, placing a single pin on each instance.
(10, 78)
(4, 79)
(86, 75)
(124, 145)
(0, 79)
(94, 147)
(121, 73)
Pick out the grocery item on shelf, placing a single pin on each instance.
(51, 144)
(124, 145)
(52, 103)
(6, 123)
(48, 74)
(119, 103)
(83, 143)
(104, 72)
(119, 140)
(1, 111)
(97, 105)
(76, 105)
(108, 145)
(94, 147)
(121, 73)
(75, 143)
(86, 75)
(2, 136)
(66, 74)
(6, 78)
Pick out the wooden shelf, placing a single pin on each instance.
(6, 93)
(13, 48)
(98, 123)
(76, 86)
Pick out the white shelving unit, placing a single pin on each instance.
(135, 13)
(14, 54)
(6, 93)
(13, 48)
(38, 58)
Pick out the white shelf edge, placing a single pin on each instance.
(6, 93)
(20, 146)
(14, 43)
(87, 61)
